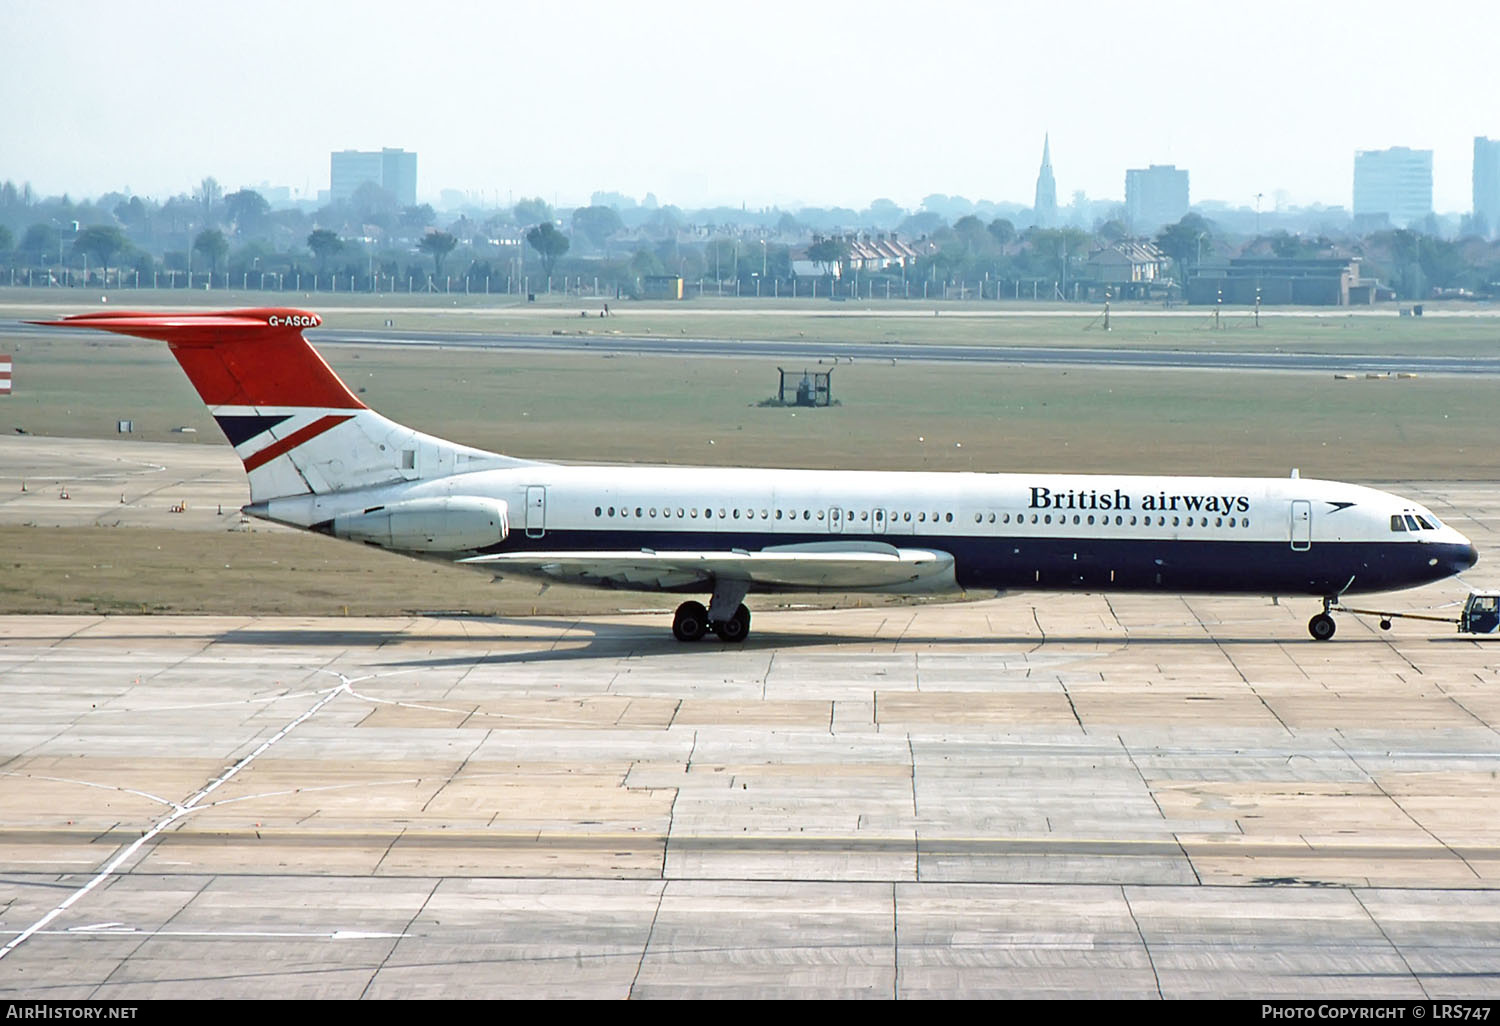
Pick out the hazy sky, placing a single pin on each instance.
(764, 102)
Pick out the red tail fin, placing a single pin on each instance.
(237, 357)
(295, 425)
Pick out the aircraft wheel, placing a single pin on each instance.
(737, 628)
(1321, 627)
(690, 622)
(1385, 625)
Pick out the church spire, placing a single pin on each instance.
(1044, 210)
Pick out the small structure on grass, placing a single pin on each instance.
(810, 388)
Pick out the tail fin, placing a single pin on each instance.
(296, 426)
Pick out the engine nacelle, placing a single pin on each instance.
(458, 523)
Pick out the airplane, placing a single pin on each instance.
(317, 458)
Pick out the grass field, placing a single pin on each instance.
(908, 416)
(653, 410)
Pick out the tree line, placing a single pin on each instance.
(239, 234)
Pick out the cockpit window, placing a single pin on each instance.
(1427, 524)
(1411, 523)
(1397, 524)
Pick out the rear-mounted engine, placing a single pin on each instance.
(453, 524)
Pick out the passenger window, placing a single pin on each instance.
(948, 517)
(679, 512)
(638, 511)
(1047, 519)
(611, 511)
(806, 515)
(597, 511)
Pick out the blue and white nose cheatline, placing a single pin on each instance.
(318, 458)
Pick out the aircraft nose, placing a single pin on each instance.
(1470, 556)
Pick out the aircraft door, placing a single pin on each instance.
(536, 511)
(1301, 525)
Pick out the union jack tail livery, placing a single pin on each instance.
(296, 426)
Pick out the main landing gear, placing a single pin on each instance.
(691, 623)
(725, 616)
(1321, 627)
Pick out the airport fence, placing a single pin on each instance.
(857, 287)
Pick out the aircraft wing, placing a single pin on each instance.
(823, 566)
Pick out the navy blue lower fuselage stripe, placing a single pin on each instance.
(243, 428)
(1082, 564)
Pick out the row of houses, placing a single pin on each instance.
(1137, 269)
(1127, 269)
(883, 251)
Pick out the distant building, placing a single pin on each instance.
(1044, 210)
(1155, 196)
(1487, 183)
(880, 252)
(883, 251)
(1304, 281)
(392, 170)
(1395, 184)
(1128, 269)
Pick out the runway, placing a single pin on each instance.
(906, 352)
(923, 352)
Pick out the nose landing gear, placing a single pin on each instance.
(1321, 627)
